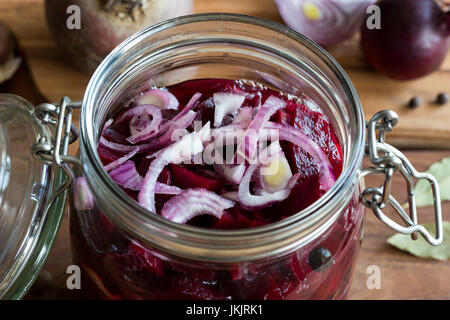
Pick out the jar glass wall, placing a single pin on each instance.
(127, 252)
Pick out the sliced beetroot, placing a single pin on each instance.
(192, 271)
(190, 288)
(113, 136)
(107, 155)
(254, 283)
(142, 259)
(185, 179)
(208, 87)
(107, 227)
(235, 218)
(97, 284)
(316, 126)
(303, 194)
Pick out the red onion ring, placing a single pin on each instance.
(247, 147)
(194, 202)
(295, 136)
(231, 173)
(82, 197)
(162, 188)
(150, 128)
(127, 176)
(140, 110)
(121, 160)
(116, 146)
(166, 126)
(225, 103)
(177, 152)
(244, 116)
(161, 98)
(165, 139)
(252, 202)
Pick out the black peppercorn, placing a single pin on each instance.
(442, 98)
(414, 103)
(319, 258)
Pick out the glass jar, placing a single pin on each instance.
(126, 252)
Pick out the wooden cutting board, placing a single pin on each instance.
(427, 126)
(424, 127)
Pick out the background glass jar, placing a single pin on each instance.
(127, 252)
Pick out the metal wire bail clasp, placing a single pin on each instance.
(387, 160)
(59, 118)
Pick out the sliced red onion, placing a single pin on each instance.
(224, 104)
(82, 197)
(140, 110)
(116, 146)
(231, 195)
(251, 202)
(236, 132)
(231, 173)
(161, 98)
(188, 146)
(177, 126)
(248, 146)
(270, 152)
(162, 188)
(128, 177)
(155, 154)
(283, 175)
(138, 124)
(189, 106)
(194, 202)
(148, 126)
(118, 162)
(124, 147)
(327, 22)
(107, 124)
(244, 116)
(166, 126)
(295, 136)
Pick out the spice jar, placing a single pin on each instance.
(126, 252)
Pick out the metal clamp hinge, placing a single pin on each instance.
(390, 161)
(59, 118)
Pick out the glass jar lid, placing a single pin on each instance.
(27, 229)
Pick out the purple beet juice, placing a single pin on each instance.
(265, 180)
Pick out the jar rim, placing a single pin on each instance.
(321, 211)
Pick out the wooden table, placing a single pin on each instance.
(402, 276)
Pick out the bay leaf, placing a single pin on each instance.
(423, 193)
(420, 247)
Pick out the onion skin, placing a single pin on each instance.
(412, 42)
(102, 31)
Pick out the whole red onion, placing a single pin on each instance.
(412, 40)
(327, 22)
(104, 24)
